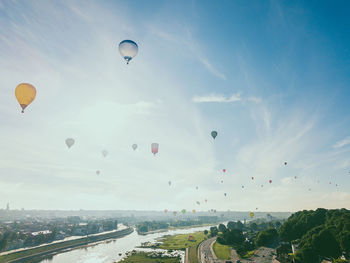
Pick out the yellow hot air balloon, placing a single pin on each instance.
(25, 94)
(251, 214)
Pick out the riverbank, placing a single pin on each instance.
(27, 254)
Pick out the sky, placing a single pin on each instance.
(271, 77)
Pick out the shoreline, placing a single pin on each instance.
(54, 248)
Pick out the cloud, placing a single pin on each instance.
(191, 44)
(342, 143)
(217, 98)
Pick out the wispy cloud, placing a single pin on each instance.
(342, 143)
(217, 98)
(188, 41)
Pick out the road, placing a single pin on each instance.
(207, 255)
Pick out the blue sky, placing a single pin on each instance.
(272, 77)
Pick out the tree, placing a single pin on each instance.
(222, 228)
(325, 244)
(206, 232)
(214, 231)
(231, 225)
(266, 237)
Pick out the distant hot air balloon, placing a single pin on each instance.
(242, 186)
(165, 210)
(25, 94)
(224, 170)
(134, 146)
(155, 147)
(205, 200)
(183, 211)
(174, 213)
(169, 183)
(309, 189)
(70, 142)
(262, 185)
(285, 163)
(295, 177)
(214, 134)
(225, 194)
(270, 181)
(252, 177)
(194, 211)
(251, 214)
(98, 172)
(196, 187)
(222, 181)
(256, 208)
(104, 153)
(198, 203)
(128, 49)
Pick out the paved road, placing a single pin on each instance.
(207, 255)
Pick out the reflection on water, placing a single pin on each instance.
(107, 252)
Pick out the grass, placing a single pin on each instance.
(248, 254)
(149, 257)
(180, 242)
(222, 251)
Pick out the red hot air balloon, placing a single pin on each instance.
(270, 181)
(155, 147)
(224, 170)
(165, 210)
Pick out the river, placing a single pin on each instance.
(107, 251)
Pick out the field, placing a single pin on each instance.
(222, 251)
(143, 257)
(180, 242)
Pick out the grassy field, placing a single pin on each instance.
(180, 242)
(222, 251)
(143, 257)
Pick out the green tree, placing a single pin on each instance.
(266, 237)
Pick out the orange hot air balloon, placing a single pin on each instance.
(25, 93)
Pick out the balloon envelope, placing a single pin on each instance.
(165, 210)
(25, 93)
(224, 170)
(270, 181)
(214, 134)
(194, 211)
(155, 147)
(134, 146)
(104, 153)
(97, 172)
(169, 183)
(70, 142)
(128, 49)
(251, 214)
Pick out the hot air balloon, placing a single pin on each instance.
(251, 214)
(285, 163)
(134, 146)
(165, 210)
(196, 187)
(104, 153)
(242, 186)
(295, 177)
(98, 172)
(174, 213)
(256, 208)
(222, 181)
(155, 147)
(198, 203)
(70, 142)
(214, 134)
(169, 183)
(205, 200)
(128, 49)
(309, 189)
(25, 94)
(225, 194)
(270, 181)
(252, 177)
(224, 170)
(183, 211)
(194, 211)
(262, 185)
